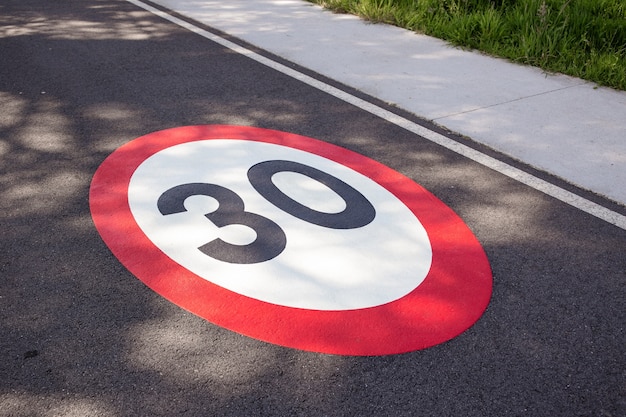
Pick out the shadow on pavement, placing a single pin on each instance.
(81, 336)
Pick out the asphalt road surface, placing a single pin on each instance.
(81, 336)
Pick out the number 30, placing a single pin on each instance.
(271, 239)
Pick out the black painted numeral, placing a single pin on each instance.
(358, 212)
(270, 240)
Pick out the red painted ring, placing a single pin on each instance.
(452, 298)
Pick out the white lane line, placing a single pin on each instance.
(552, 190)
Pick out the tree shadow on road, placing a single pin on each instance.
(81, 336)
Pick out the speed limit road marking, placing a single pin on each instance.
(290, 240)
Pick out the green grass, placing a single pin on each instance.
(582, 38)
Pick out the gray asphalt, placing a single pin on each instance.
(79, 335)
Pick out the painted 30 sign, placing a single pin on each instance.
(290, 240)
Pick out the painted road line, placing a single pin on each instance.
(517, 174)
(290, 240)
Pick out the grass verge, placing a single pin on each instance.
(582, 38)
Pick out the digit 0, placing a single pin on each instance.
(358, 212)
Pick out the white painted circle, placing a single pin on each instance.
(321, 268)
